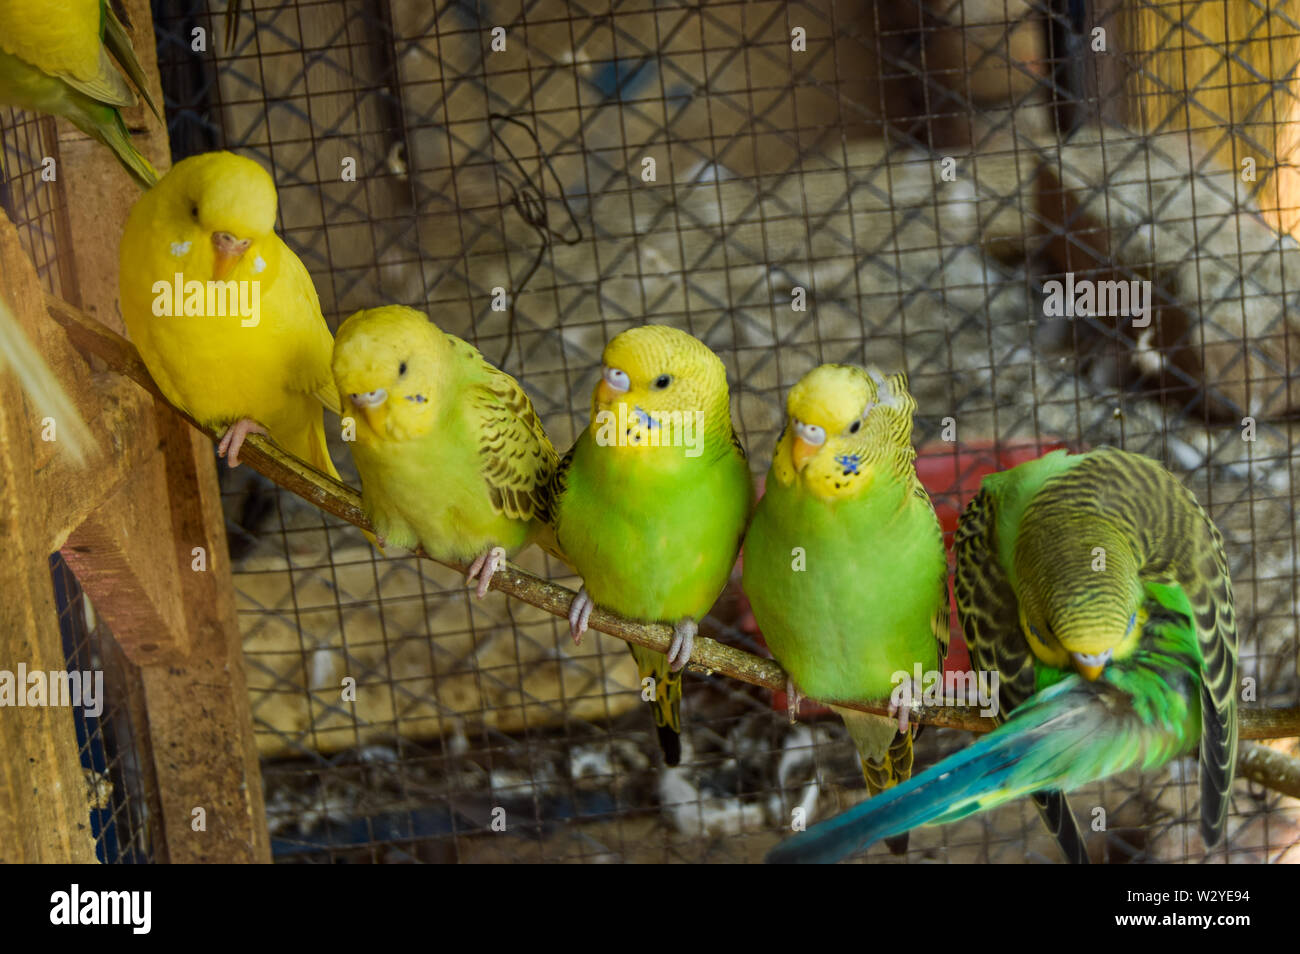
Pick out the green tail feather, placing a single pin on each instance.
(112, 132)
(118, 42)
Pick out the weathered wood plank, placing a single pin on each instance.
(44, 809)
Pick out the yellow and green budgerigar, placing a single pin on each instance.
(1143, 710)
(451, 454)
(844, 560)
(651, 501)
(58, 58)
(1055, 562)
(224, 314)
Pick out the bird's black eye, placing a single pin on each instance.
(401, 368)
(194, 211)
(663, 381)
(855, 427)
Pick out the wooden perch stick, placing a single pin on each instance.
(708, 656)
(1268, 766)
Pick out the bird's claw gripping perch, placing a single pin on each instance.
(233, 439)
(579, 613)
(793, 697)
(679, 651)
(488, 563)
(906, 698)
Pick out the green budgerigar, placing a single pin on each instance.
(55, 58)
(1052, 560)
(1143, 710)
(844, 560)
(651, 502)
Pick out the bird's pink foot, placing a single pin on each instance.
(488, 563)
(233, 439)
(793, 697)
(679, 651)
(906, 697)
(579, 613)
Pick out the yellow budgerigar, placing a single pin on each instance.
(55, 58)
(451, 454)
(224, 314)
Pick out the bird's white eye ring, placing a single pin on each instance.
(616, 379)
(811, 433)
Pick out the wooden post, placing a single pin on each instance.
(44, 810)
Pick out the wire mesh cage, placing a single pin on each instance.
(39, 213)
(700, 166)
(890, 183)
(122, 794)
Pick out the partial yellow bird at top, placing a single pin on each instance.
(223, 312)
(55, 58)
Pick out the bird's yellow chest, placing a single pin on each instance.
(423, 492)
(219, 350)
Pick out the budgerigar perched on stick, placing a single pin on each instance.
(844, 560)
(55, 58)
(1144, 709)
(451, 454)
(224, 314)
(651, 502)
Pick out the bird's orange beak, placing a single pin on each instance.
(373, 408)
(227, 251)
(1090, 673)
(1090, 667)
(802, 451)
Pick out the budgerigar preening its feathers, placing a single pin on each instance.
(451, 454)
(1052, 560)
(1143, 710)
(652, 500)
(844, 560)
(59, 58)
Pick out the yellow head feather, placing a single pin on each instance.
(216, 213)
(222, 192)
(653, 378)
(391, 366)
(1080, 589)
(854, 424)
